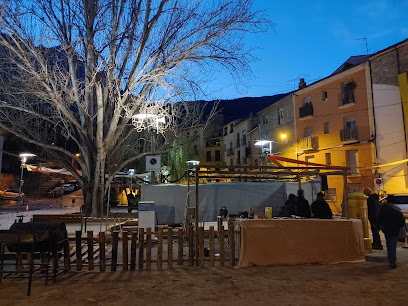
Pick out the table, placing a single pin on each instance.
(300, 241)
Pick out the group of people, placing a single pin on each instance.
(387, 217)
(299, 206)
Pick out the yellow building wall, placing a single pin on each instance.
(329, 111)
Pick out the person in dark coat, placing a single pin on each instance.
(302, 205)
(373, 207)
(320, 208)
(290, 207)
(391, 219)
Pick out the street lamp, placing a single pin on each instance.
(143, 121)
(283, 136)
(24, 157)
(262, 143)
(193, 162)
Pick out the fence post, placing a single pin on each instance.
(133, 251)
(115, 238)
(90, 250)
(190, 246)
(67, 262)
(197, 245)
(222, 246)
(78, 250)
(125, 250)
(148, 248)
(180, 246)
(201, 241)
(170, 248)
(212, 247)
(141, 247)
(160, 248)
(231, 237)
(102, 254)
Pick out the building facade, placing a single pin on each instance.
(389, 69)
(334, 126)
(277, 124)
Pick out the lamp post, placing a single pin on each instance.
(143, 121)
(262, 143)
(24, 157)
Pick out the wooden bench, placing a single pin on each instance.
(67, 218)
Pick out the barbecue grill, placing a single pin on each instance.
(44, 238)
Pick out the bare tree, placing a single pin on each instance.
(74, 73)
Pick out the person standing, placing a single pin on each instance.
(320, 208)
(373, 207)
(302, 205)
(390, 220)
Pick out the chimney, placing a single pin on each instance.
(302, 83)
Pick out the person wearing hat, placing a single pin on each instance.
(320, 208)
(391, 220)
(302, 205)
(373, 207)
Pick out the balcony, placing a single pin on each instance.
(212, 142)
(230, 151)
(306, 111)
(346, 99)
(349, 134)
(309, 143)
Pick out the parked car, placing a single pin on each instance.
(75, 184)
(10, 194)
(68, 188)
(401, 200)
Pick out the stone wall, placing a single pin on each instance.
(386, 67)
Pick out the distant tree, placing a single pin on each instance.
(74, 73)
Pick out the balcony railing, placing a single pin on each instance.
(349, 134)
(212, 142)
(346, 98)
(306, 110)
(230, 151)
(309, 143)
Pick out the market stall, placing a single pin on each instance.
(300, 241)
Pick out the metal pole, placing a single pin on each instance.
(152, 173)
(196, 200)
(345, 197)
(21, 185)
(107, 208)
(188, 187)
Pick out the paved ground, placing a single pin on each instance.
(367, 283)
(370, 282)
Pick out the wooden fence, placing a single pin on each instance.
(145, 250)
